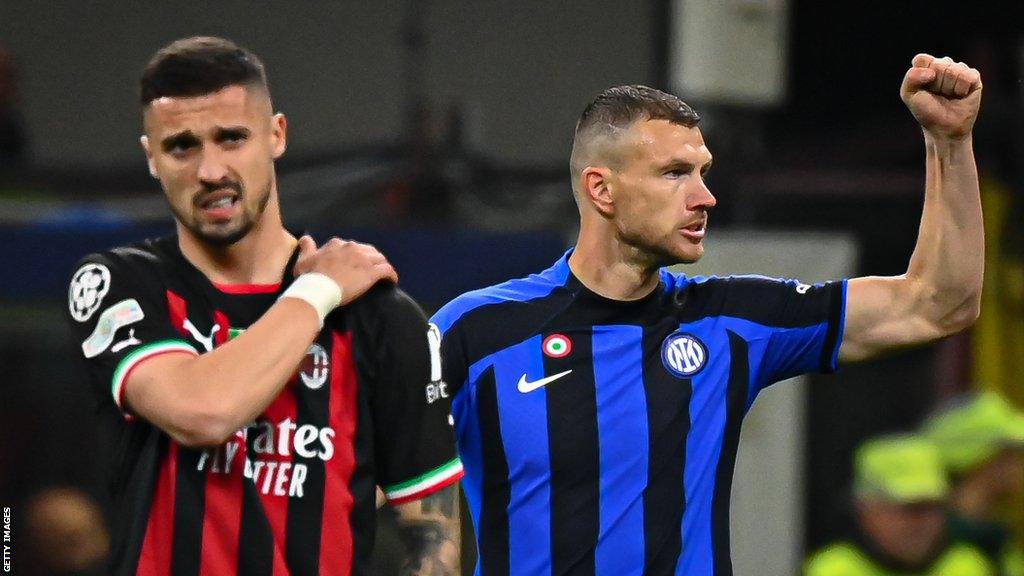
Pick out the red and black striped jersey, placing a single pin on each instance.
(294, 491)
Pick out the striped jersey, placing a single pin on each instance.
(294, 491)
(599, 436)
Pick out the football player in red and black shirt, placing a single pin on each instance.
(255, 389)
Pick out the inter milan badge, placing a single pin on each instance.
(683, 354)
(557, 346)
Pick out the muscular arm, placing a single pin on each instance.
(940, 292)
(429, 529)
(200, 401)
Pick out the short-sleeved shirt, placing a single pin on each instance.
(292, 492)
(599, 436)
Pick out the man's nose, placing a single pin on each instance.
(702, 197)
(212, 167)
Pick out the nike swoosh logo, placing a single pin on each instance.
(526, 387)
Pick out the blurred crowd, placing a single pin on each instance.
(937, 501)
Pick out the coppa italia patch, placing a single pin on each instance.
(111, 320)
(557, 346)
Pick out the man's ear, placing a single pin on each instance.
(144, 140)
(279, 134)
(596, 186)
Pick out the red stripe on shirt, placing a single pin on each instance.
(155, 558)
(276, 507)
(221, 336)
(177, 311)
(247, 288)
(222, 517)
(336, 527)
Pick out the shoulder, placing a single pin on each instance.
(386, 300)
(143, 256)
(131, 271)
(385, 310)
(519, 290)
(781, 302)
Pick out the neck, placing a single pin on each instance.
(611, 268)
(258, 258)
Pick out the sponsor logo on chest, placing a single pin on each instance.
(275, 460)
(272, 454)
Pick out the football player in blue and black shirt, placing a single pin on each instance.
(598, 404)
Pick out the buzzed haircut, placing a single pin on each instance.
(617, 108)
(621, 106)
(198, 66)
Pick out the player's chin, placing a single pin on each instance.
(690, 252)
(222, 233)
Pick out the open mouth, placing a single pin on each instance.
(219, 204)
(696, 230)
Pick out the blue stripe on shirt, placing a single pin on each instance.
(622, 439)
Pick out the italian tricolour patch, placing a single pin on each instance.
(557, 346)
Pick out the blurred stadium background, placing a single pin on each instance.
(440, 131)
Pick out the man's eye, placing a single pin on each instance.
(677, 173)
(179, 149)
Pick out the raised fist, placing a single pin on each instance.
(944, 96)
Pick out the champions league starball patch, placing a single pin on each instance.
(88, 287)
(683, 354)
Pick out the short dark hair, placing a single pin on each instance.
(197, 66)
(621, 106)
(615, 110)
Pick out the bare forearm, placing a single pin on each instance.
(430, 531)
(948, 261)
(202, 400)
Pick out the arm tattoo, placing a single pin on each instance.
(429, 528)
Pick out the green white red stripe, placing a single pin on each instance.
(425, 484)
(129, 362)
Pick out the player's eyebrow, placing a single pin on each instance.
(179, 140)
(233, 132)
(685, 165)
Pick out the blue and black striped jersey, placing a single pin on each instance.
(599, 436)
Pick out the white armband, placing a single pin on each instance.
(317, 289)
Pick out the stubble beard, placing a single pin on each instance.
(652, 254)
(225, 237)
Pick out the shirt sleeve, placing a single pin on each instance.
(118, 320)
(415, 441)
(805, 325)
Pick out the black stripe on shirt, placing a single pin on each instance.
(735, 405)
(494, 555)
(255, 540)
(305, 514)
(574, 454)
(835, 319)
(668, 422)
(189, 508)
